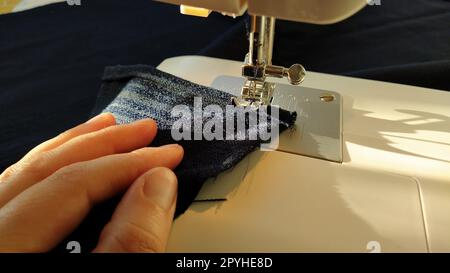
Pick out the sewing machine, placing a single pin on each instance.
(366, 169)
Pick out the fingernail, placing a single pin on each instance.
(161, 186)
(96, 118)
(170, 146)
(145, 120)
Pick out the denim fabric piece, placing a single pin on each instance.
(139, 91)
(136, 92)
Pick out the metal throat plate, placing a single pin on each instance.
(318, 130)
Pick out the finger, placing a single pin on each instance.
(54, 207)
(142, 221)
(94, 124)
(111, 140)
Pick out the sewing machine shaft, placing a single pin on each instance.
(258, 65)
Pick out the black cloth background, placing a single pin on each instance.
(52, 57)
(401, 41)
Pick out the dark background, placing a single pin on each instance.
(52, 57)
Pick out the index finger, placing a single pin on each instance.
(55, 206)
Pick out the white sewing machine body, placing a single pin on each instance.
(390, 193)
(367, 170)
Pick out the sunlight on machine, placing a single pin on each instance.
(367, 164)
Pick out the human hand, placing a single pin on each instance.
(46, 195)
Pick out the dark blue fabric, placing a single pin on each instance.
(52, 57)
(129, 92)
(136, 92)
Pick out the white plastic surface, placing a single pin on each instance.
(393, 187)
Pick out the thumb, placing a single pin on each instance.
(143, 218)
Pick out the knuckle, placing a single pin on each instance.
(10, 171)
(140, 156)
(70, 177)
(66, 134)
(136, 159)
(132, 238)
(89, 137)
(70, 172)
(34, 166)
(101, 139)
(72, 180)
